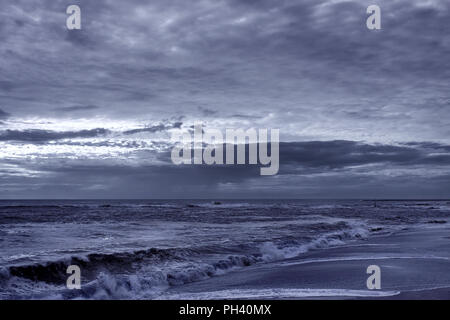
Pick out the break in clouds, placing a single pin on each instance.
(89, 113)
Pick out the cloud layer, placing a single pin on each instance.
(89, 113)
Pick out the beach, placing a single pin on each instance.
(415, 264)
(224, 250)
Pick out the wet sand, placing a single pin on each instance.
(415, 264)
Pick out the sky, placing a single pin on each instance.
(90, 113)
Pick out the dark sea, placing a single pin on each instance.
(143, 249)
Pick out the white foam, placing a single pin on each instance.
(278, 293)
(361, 259)
(271, 252)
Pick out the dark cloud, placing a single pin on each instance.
(38, 136)
(78, 108)
(338, 154)
(323, 176)
(207, 112)
(4, 114)
(157, 128)
(429, 145)
(245, 116)
(6, 85)
(341, 154)
(80, 38)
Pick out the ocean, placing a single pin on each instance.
(149, 249)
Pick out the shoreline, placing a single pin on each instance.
(414, 263)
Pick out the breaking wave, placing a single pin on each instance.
(148, 273)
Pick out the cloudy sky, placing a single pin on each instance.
(89, 113)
